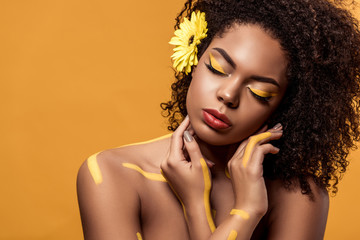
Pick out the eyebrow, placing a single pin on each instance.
(265, 80)
(226, 56)
(232, 63)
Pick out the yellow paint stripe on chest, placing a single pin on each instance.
(232, 235)
(207, 182)
(94, 169)
(148, 175)
(138, 235)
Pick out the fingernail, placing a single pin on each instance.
(277, 126)
(187, 136)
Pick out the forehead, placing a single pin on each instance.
(252, 48)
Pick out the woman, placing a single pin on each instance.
(241, 66)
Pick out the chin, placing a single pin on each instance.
(213, 137)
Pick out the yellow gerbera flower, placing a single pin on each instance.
(186, 39)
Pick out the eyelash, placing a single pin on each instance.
(263, 99)
(212, 69)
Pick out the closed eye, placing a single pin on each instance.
(215, 67)
(262, 95)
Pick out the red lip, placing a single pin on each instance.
(216, 119)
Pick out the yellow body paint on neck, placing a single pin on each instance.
(148, 175)
(138, 235)
(207, 182)
(250, 146)
(241, 213)
(232, 235)
(215, 64)
(94, 169)
(262, 93)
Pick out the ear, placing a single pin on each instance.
(192, 72)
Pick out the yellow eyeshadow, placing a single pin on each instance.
(262, 93)
(215, 64)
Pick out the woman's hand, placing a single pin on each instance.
(187, 178)
(246, 171)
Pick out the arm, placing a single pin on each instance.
(109, 208)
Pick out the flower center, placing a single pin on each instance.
(191, 40)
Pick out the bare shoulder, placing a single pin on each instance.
(108, 165)
(108, 193)
(294, 215)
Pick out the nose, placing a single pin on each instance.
(229, 93)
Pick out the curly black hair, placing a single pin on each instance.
(320, 110)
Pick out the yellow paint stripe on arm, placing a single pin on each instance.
(94, 169)
(232, 235)
(207, 182)
(138, 235)
(148, 175)
(250, 146)
(241, 213)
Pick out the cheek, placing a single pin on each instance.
(200, 90)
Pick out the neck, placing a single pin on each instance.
(220, 155)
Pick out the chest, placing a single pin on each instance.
(162, 215)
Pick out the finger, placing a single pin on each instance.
(190, 129)
(177, 142)
(276, 128)
(276, 133)
(209, 163)
(244, 143)
(253, 141)
(261, 129)
(240, 150)
(193, 149)
(260, 152)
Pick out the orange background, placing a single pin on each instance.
(78, 77)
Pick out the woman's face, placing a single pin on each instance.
(242, 76)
